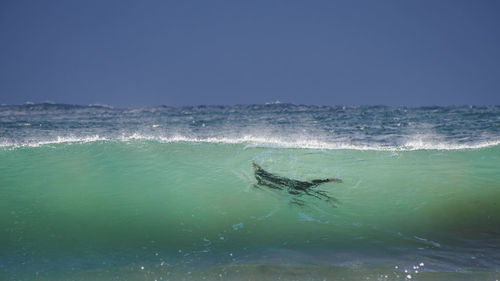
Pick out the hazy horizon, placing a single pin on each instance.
(249, 104)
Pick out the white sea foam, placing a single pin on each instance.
(58, 140)
(251, 141)
(421, 145)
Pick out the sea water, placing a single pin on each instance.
(161, 193)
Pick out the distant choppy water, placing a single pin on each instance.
(96, 193)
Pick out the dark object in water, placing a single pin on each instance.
(294, 187)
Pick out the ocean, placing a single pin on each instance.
(169, 193)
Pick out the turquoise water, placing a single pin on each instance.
(91, 193)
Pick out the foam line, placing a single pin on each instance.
(255, 141)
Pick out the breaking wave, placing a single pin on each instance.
(415, 143)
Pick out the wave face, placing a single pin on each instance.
(169, 193)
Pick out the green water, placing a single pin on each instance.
(102, 210)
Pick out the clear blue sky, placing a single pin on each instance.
(137, 53)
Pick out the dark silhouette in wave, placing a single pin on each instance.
(294, 187)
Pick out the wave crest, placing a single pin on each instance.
(251, 141)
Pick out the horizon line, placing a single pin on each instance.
(276, 103)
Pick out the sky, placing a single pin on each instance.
(146, 53)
